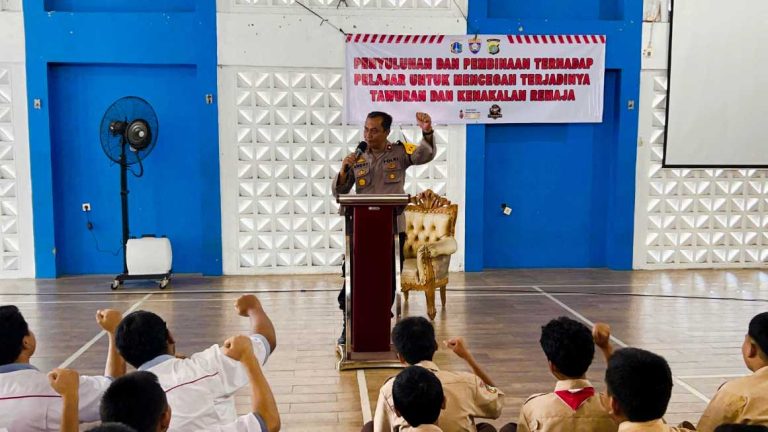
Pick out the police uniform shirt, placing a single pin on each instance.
(466, 397)
(384, 172)
(651, 426)
(200, 388)
(743, 400)
(29, 404)
(573, 406)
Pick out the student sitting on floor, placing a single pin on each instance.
(200, 388)
(468, 396)
(138, 400)
(418, 398)
(574, 405)
(639, 388)
(744, 400)
(27, 401)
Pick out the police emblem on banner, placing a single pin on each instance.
(494, 46)
(456, 47)
(475, 45)
(494, 112)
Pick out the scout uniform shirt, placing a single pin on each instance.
(650, 426)
(743, 400)
(200, 388)
(384, 173)
(29, 404)
(466, 397)
(573, 406)
(422, 428)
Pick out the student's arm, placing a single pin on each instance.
(601, 334)
(263, 402)
(109, 319)
(249, 306)
(66, 382)
(459, 347)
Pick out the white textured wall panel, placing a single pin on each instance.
(692, 218)
(17, 258)
(281, 133)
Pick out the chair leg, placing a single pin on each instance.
(442, 295)
(431, 311)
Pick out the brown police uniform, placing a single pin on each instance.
(651, 426)
(384, 173)
(466, 397)
(573, 406)
(743, 400)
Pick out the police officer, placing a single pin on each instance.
(381, 169)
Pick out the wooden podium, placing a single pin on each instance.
(373, 264)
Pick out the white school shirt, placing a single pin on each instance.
(246, 423)
(29, 404)
(200, 388)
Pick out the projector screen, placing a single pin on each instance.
(717, 109)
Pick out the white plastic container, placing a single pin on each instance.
(149, 256)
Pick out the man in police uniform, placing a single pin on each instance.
(381, 169)
(744, 400)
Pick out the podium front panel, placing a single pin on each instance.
(372, 264)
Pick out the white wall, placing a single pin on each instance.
(281, 136)
(690, 218)
(17, 258)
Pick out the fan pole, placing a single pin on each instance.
(124, 202)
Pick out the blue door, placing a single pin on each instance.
(555, 178)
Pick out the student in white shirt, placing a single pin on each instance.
(27, 401)
(200, 388)
(137, 399)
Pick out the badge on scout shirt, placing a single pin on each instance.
(361, 182)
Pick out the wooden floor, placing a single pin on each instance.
(696, 319)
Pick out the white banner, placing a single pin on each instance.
(476, 79)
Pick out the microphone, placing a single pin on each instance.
(361, 148)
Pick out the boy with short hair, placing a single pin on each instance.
(418, 397)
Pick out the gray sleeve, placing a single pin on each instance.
(425, 152)
(338, 189)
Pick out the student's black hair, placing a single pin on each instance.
(741, 428)
(135, 400)
(13, 328)
(758, 331)
(386, 119)
(140, 337)
(418, 395)
(414, 339)
(568, 344)
(112, 427)
(641, 382)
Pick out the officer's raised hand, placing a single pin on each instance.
(424, 121)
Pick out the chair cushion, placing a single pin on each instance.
(424, 228)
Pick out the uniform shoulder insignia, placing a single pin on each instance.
(409, 147)
(533, 396)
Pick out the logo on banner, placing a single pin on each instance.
(494, 46)
(456, 47)
(494, 112)
(475, 45)
(469, 114)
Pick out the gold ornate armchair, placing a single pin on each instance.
(430, 226)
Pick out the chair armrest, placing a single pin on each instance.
(446, 246)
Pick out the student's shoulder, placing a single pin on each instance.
(538, 399)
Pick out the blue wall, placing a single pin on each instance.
(81, 56)
(571, 186)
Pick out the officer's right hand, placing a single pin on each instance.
(347, 163)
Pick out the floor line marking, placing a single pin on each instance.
(96, 338)
(365, 403)
(619, 342)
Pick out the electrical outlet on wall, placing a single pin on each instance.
(86, 207)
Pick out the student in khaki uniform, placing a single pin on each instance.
(741, 428)
(468, 395)
(418, 398)
(639, 388)
(744, 400)
(574, 405)
(381, 169)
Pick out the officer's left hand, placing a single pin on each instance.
(424, 121)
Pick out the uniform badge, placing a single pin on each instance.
(389, 147)
(362, 172)
(361, 182)
(361, 160)
(391, 165)
(490, 389)
(392, 176)
(409, 148)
